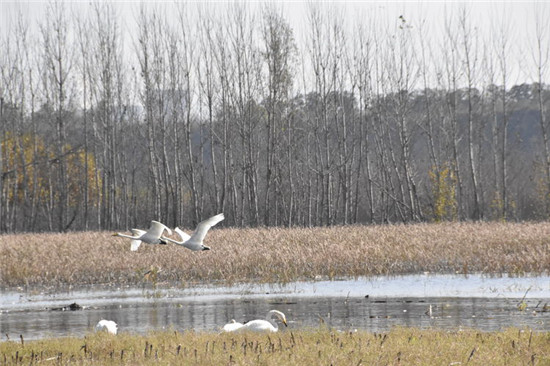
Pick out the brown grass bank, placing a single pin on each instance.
(401, 346)
(277, 254)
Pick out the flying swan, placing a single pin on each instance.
(194, 241)
(151, 236)
(108, 326)
(258, 325)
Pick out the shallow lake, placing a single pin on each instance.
(375, 304)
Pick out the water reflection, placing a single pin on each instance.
(137, 311)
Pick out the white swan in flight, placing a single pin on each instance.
(258, 325)
(107, 325)
(194, 241)
(151, 236)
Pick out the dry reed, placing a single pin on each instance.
(278, 255)
(406, 346)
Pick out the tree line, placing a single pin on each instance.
(206, 111)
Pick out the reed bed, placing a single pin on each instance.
(277, 255)
(321, 346)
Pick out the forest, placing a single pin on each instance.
(197, 111)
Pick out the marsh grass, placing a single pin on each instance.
(407, 346)
(277, 255)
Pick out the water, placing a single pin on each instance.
(374, 304)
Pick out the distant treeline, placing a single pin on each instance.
(226, 112)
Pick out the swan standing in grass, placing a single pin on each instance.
(258, 325)
(151, 236)
(194, 241)
(106, 325)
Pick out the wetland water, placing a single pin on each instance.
(375, 304)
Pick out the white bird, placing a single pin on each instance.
(151, 236)
(232, 326)
(135, 243)
(258, 325)
(106, 325)
(194, 241)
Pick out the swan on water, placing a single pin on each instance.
(194, 241)
(258, 325)
(151, 236)
(106, 325)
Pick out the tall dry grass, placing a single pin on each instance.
(278, 255)
(400, 346)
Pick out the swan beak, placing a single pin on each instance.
(115, 234)
(205, 248)
(284, 322)
(162, 241)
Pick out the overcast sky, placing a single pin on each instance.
(518, 16)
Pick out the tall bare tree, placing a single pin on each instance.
(58, 58)
(469, 49)
(278, 53)
(540, 53)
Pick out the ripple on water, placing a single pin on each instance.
(376, 304)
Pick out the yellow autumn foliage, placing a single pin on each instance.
(443, 182)
(29, 166)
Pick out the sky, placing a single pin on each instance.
(518, 16)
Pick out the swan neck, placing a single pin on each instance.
(129, 236)
(270, 319)
(173, 241)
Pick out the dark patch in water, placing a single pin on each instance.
(73, 307)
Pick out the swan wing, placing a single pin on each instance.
(134, 245)
(157, 229)
(187, 242)
(232, 327)
(204, 226)
(138, 232)
(183, 235)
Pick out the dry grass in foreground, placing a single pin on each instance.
(405, 346)
(277, 254)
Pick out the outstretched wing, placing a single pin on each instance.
(183, 235)
(138, 232)
(204, 226)
(157, 229)
(134, 245)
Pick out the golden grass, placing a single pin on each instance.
(278, 255)
(406, 346)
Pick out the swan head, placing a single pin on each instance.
(283, 319)
(162, 241)
(279, 315)
(204, 247)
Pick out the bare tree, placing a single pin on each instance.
(209, 83)
(246, 84)
(58, 58)
(147, 26)
(362, 80)
(451, 82)
(279, 49)
(540, 54)
(106, 70)
(503, 49)
(469, 49)
(323, 61)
